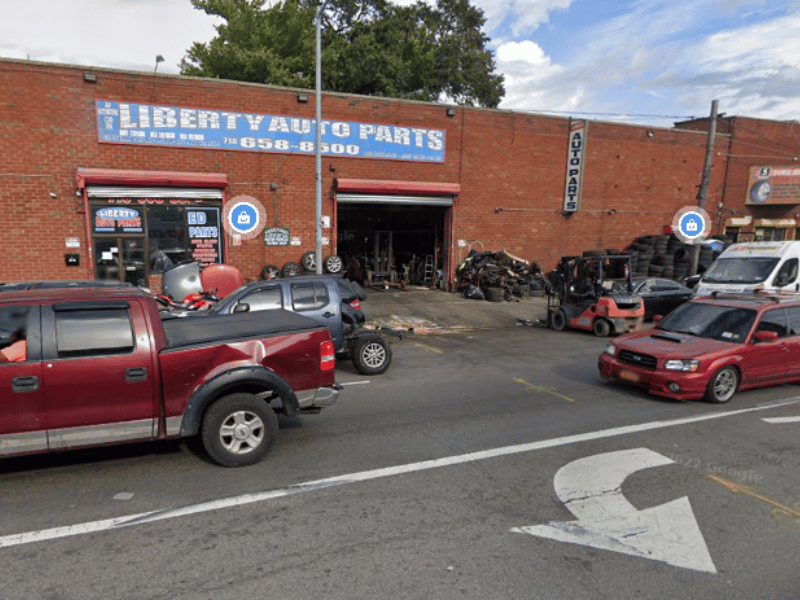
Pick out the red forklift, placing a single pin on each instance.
(594, 293)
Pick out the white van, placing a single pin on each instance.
(753, 266)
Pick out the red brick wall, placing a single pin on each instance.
(634, 183)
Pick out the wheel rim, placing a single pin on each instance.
(373, 354)
(273, 273)
(310, 262)
(334, 264)
(725, 385)
(242, 432)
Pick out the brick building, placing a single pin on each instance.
(102, 166)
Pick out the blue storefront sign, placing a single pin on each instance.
(132, 123)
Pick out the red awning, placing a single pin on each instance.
(87, 175)
(399, 188)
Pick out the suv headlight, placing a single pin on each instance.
(611, 350)
(690, 365)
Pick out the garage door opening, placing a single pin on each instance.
(397, 242)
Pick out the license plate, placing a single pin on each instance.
(629, 376)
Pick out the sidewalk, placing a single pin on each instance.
(437, 311)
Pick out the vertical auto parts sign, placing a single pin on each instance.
(576, 153)
(156, 125)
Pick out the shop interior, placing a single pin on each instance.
(396, 243)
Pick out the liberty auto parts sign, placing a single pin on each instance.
(156, 125)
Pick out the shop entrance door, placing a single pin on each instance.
(121, 258)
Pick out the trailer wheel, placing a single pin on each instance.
(601, 327)
(238, 430)
(558, 319)
(371, 354)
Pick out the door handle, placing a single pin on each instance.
(327, 315)
(25, 384)
(135, 374)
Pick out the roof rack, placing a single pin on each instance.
(755, 295)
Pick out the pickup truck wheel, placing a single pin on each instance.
(371, 354)
(238, 430)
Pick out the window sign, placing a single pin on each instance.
(116, 219)
(132, 123)
(204, 234)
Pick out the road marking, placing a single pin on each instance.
(431, 348)
(540, 389)
(782, 420)
(591, 489)
(353, 382)
(781, 512)
(16, 539)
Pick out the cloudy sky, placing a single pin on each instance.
(639, 61)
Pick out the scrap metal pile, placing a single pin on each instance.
(496, 276)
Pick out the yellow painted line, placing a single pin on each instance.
(541, 389)
(782, 512)
(431, 348)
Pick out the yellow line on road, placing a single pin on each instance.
(431, 348)
(541, 389)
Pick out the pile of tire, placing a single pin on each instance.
(332, 264)
(665, 256)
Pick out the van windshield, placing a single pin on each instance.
(739, 270)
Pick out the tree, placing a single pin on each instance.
(369, 47)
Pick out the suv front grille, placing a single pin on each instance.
(640, 360)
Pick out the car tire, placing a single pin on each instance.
(371, 354)
(309, 261)
(601, 327)
(291, 269)
(238, 430)
(333, 264)
(558, 319)
(270, 272)
(722, 385)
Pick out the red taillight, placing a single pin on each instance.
(327, 356)
(355, 304)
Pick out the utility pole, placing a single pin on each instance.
(318, 144)
(701, 195)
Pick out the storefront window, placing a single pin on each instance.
(134, 238)
(769, 234)
(167, 239)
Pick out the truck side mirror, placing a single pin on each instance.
(242, 307)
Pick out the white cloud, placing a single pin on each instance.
(124, 34)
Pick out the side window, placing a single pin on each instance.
(310, 295)
(647, 286)
(773, 320)
(93, 332)
(13, 333)
(793, 317)
(265, 299)
(787, 272)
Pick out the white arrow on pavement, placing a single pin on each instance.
(591, 489)
(782, 420)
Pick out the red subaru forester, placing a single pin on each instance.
(711, 347)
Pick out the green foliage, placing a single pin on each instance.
(370, 47)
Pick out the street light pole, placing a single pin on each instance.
(318, 141)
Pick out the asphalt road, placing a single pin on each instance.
(493, 464)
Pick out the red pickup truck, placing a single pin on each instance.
(99, 366)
